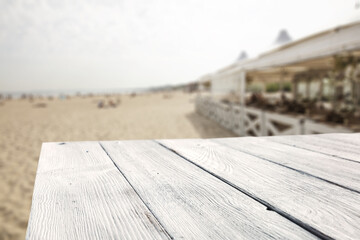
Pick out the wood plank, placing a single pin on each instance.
(329, 209)
(333, 169)
(80, 194)
(345, 146)
(191, 203)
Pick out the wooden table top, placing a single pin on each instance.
(288, 187)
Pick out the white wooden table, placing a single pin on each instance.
(292, 187)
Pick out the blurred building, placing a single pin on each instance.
(317, 76)
(322, 66)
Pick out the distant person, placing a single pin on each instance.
(100, 104)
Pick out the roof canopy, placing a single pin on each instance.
(315, 50)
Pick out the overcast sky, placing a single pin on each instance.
(90, 44)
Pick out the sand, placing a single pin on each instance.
(24, 125)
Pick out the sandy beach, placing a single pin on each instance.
(25, 124)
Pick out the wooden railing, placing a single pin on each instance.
(249, 121)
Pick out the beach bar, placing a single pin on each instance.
(307, 86)
(285, 187)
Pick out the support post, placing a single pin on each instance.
(282, 80)
(308, 80)
(242, 102)
(321, 88)
(263, 128)
(295, 89)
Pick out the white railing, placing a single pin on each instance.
(255, 122)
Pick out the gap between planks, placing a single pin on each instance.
(193, 197)
(292, 168)
(79, 194)
(150, 210)
(316, 149)
(268, 206)
(326, 207)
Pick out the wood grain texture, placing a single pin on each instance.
(346, 146)
(191, 203)
(333, 169)
(80, 194)
(329, 209)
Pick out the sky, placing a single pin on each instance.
(108, 44)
